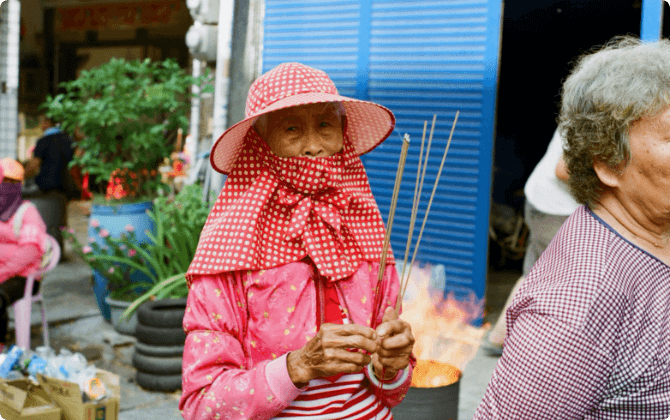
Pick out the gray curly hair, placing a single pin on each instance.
(605, 93)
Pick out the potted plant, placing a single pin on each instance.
(178, 221)
(129, 113)
(116, 259)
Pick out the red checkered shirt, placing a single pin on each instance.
(588, 334)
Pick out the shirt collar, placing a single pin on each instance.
(51, 130)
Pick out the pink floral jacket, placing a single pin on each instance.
(22, 242)
(240, 326)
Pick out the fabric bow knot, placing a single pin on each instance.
(325, 205)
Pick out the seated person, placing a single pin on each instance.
(22, 240)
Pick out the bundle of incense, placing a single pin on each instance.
(418, 187)
(389, 225)
(405, 279)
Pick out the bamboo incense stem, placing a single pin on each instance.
(394, 201)
(415, 203)
(423, 177)
(403, 287)
(415, 209)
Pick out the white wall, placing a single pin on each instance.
(9, 76)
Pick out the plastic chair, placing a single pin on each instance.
(22, 307)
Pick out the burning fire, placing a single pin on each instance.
(445, 340)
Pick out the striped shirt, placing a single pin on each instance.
(349, 398)
(341, 396)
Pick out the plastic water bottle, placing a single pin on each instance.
(11, 360)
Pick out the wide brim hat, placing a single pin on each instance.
(294, 84)
(11, 169)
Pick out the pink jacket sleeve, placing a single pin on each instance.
(395, 390)
(216, 383)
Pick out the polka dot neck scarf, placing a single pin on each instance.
(273, 211)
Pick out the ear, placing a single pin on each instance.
(607, 175)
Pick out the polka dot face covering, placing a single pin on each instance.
(273, 211)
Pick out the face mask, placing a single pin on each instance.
(10, 200)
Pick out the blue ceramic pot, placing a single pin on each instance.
(115, 218)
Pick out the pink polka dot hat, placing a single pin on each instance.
(294, 84)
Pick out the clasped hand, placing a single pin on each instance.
(350, 347)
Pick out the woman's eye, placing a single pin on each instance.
(291, 128)
(325, 124)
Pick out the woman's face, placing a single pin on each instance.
(313, 130)
(645, 181)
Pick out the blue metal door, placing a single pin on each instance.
(417, 58)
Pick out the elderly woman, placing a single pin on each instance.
(285, 316)
(588, 334)
(22, 239)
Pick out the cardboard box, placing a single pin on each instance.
(22, 400)
(68, 397)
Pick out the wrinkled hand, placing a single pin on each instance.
(328, 353)
(395, 343)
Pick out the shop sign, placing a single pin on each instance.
(118, 16)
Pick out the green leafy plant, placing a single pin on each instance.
(129, 112)
(178, 222)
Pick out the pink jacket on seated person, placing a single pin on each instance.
(240, 325)
(22, 243)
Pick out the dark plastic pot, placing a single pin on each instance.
(440, 403)
(126, 326)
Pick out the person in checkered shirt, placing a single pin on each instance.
(588, 333)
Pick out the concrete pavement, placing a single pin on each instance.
(75, 323)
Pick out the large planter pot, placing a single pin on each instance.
(115, 218)
(117, 307)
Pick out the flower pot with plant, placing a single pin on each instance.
(129, 113)
(165, 257)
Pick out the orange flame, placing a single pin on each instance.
(442, 330)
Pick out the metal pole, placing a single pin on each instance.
(10, 12)
(224, 44)
(194, 129)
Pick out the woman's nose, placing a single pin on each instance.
(313, 145)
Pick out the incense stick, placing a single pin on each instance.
(415, 208)
(417, 194)
(405, 281)
(415, 201)
(394, 201)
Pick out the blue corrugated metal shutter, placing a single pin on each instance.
(320, 33)
(417, 58)
(436, 58)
